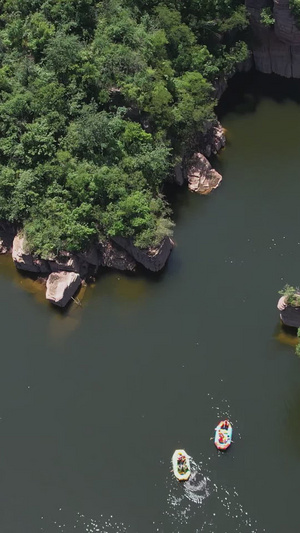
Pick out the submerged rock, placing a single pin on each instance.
(61, 286)
(202, 178)
(153, 259)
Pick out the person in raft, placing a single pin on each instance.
(221, 437)
(181, 463)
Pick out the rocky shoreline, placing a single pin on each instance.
(274, 49)
(64, 274)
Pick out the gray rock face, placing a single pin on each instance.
(69, 263)
(114, 257)
(7, 235)
(202, 178)
(179, 173)
(275, 49)
(61, 286)
(153, 259)
(213, 140)
(24, 260)
(290, 316)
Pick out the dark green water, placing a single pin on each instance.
(94, 402)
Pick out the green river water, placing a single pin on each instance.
(94, 401)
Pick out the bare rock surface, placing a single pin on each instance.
(281, 305)
(61, 286)
(153, 259)
(202, 178)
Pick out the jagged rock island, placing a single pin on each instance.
(101, 104)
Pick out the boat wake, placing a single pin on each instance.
(182, 496)
(204, 506)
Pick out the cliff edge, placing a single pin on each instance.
(276, 48)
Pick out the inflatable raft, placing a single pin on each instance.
(223, 435)
(181, 465)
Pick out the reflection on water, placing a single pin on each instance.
(286, 335)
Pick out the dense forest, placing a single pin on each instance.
(97, 101)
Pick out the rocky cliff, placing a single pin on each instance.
(276, 49)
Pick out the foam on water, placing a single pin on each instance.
(205, 506)
(202, 504)
(83, 524)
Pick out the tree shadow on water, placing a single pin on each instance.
(246, 90)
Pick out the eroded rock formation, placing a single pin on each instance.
(153, 259)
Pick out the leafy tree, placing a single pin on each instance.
(96, 101)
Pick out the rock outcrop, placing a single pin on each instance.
(290, 316)
(210, 142)
(213, 140)
(282, 304)
(61, 286)
(7, 234)
(24, 260)
(202, 178)
(153, 259)
(275, 49)
(68, 262)
(112, 256)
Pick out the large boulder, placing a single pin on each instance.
(202, 178)
(24, 260)
(153, 259)
(61, 286)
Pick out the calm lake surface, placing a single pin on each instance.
(93, 402)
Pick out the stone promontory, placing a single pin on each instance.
(65, 272)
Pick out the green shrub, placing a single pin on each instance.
(96, 101)
(291, 294)
(266, 16)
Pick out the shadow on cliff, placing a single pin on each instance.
(246, 90)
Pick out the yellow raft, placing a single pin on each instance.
(181, 465)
